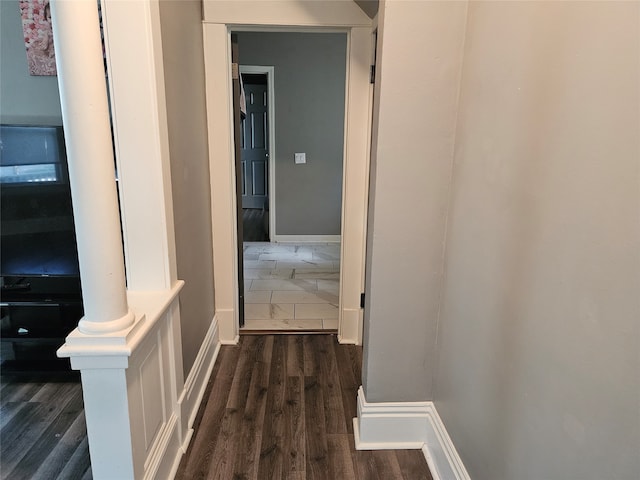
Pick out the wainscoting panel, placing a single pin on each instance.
(155, 433)
(196, 382)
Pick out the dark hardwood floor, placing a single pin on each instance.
(281, 407)
(43, 433)
(276, 407)
(255, 225)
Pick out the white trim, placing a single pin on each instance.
(233, 341)
(439, 450)
(196, 382)
(306, 238)
(287, 28)
(134, 57)
(430, 463)
(149, 309)
(350, 326)
(299, 13)
(355, 185)
(390, 425)
(130, 384)
(269, 71)
(217, 64)
(158, 464)
(220, 18)
(408, 426)
(193, 393)
(228, 334)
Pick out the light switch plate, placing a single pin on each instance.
(300, 157)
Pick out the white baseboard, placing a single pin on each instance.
(228, 326)
(196, 383)
(408, 426)
(350, 329)
(306, 238)
(440, 452)
(390, 425)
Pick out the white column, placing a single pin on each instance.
(137, 406)
(85, 114)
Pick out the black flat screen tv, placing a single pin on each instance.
(37, 230)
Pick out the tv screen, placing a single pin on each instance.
(38, 236)
(42, 253)
(30, 154)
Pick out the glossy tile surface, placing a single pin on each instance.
(291, 287)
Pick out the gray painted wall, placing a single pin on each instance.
(539, 354)
(24, 99)
(534, 359)
(309, 100)
(185, 93)
(412, 155)
(370, 7)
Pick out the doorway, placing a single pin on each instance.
(257, 147)
(219, 19)
(292, 285)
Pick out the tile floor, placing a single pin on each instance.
(291, 287)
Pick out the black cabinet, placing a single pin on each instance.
(39, 319)
(41, 298)
(34, 324)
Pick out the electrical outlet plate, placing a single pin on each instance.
(300, 158)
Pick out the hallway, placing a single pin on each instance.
(281, 407)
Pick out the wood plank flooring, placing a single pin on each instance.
(43, 433)
(276, 407)
(281, 407)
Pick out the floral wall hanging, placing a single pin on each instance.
(38, 36)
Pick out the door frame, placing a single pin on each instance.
(269, 71)
(220, 19)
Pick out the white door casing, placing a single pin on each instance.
(221, 17)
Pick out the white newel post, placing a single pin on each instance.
(85, 113)
(127, 346)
